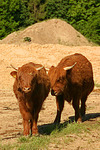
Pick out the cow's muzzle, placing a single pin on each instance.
(26, 89)
(54, 93)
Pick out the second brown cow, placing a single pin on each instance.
(31, 88)
(71, 80)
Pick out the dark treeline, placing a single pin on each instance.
(83, 15)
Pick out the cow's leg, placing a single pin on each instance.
(34, 125)
(26, 126)
(26, 115)
(75, 104)
(83, 106)
(60, 106)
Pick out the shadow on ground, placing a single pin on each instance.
(47, 129)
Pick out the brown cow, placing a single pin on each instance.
(71, 80)
(31, 87)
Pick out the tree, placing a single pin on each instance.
(36, 9)
(7, 23)
(56, 9)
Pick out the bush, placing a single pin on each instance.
(28, 39)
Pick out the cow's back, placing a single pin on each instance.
(81, 75)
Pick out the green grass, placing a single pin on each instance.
(56, 135)
(34, 143)
(97, 85)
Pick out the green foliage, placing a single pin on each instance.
(56, 8)
(36, 9)
(12, 16)
(28, 39)
(84, 15)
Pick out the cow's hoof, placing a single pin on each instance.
(79, 120)
(35, 134)
(56, 122)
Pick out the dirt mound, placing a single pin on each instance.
(54, 31)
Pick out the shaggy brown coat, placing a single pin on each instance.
(31, 87)
(71, 80)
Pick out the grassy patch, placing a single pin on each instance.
(7, 147)
(34, 143)
(97, 85)
(53, 135)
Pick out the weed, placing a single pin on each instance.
(28, 39)
(97, 85)
(23, 139)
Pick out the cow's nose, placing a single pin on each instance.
(54, 93)
(26, 89)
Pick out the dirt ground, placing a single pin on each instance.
(11, 122)
(49, 54)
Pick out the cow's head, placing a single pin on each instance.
(26, 77)
(58, 79)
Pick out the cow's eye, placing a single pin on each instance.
(19, 77)
(59, 80)
(63, 78)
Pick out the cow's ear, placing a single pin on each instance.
(13, 74)
(52, 66)
(51, 69)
